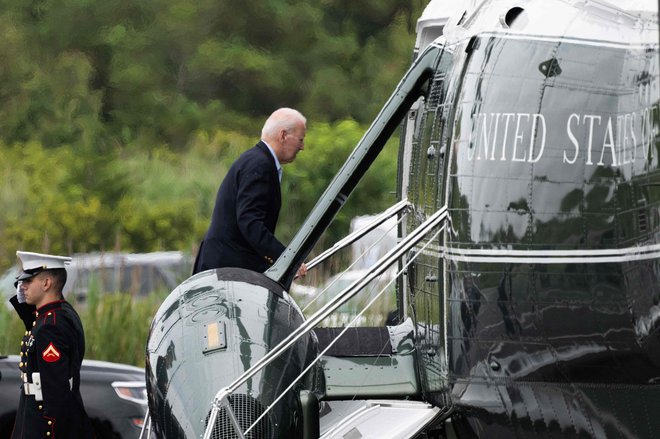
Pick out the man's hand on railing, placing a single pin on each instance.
(302, 271)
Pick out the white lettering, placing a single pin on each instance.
(484, 133)
(591, 118)
(518, 136)
(573, 139)
(597, 139)
(647, 134)
(633, 157)
(506, 133)
(625, 146)
(608, 144)
(619, 138)
(534, 135)
(497, 123)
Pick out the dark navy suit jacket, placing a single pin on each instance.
(246, 209)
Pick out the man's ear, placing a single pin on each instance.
(48, 283)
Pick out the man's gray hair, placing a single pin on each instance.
(282, 118)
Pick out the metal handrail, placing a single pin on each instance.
(350, 324)
(146, 426)
(385, 262)
(350, 267)
(350, 239)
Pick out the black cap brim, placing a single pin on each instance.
(29, 274)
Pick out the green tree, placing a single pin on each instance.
(118, 119)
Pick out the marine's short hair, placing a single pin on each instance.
(59, 278)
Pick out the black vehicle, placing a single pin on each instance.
(114, 396)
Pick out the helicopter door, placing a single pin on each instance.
(422, 183)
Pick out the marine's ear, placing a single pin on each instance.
(48, 282)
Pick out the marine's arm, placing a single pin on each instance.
(24, 311)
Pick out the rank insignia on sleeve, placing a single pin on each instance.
(51, 354)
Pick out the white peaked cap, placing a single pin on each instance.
(33, 261)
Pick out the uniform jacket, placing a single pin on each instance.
(53, 346)
(241, 233)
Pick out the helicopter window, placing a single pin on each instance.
(429, 142)
(429, 34)
(576, 124)
(514, 14)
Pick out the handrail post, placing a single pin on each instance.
(146, 426)
(222, 400)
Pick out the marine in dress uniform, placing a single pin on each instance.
(247, 206)
(52, 350)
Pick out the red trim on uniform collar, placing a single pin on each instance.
(50, 306)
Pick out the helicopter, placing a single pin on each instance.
(527, 258)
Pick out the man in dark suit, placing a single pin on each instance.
(241, 233)
(52, 351)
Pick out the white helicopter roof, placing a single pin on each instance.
(600, 20)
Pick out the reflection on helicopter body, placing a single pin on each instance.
(549, 128)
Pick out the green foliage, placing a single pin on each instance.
(116, 326)
(11, 332)
(119, 119)
(155, 71)
(162, 200)
(45, 208)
